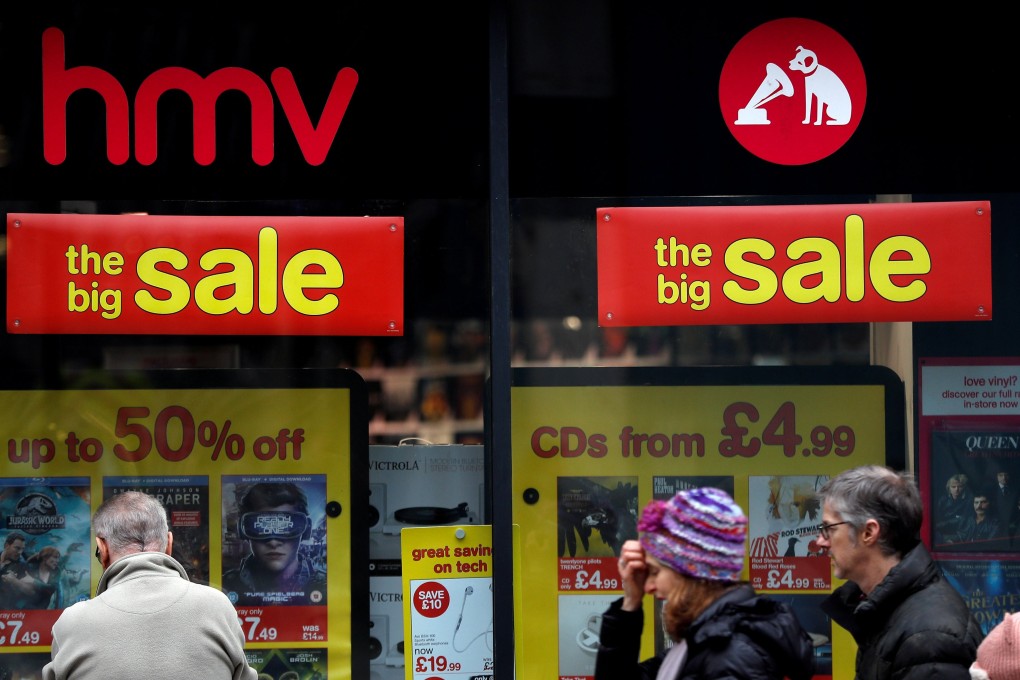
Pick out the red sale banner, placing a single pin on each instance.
(177, 275)
(794, 264)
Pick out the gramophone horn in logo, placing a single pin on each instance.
(775, 84)
(792, 91)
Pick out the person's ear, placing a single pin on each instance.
(102, 552)
(169, 543)
(870, 532)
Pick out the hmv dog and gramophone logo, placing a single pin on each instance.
(792, 91)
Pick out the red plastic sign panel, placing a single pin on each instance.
(792, 91)
(189, 275)
(678, 266)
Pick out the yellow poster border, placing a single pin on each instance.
(233, 423)
(583, 423)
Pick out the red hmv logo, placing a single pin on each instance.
(60, 82)
(792, 91)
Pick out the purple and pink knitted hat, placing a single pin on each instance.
(698, 532)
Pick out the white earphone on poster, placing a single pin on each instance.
(468, 591)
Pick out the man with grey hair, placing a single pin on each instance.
(907, 620)
(147, 619)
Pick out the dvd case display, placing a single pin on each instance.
(289, 664)
(46, 539)
(187, 508)
(274, 539)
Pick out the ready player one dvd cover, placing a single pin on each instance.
(274, 539)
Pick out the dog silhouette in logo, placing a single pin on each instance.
(823, 86)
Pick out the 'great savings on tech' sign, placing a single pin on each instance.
(794, 264)
(174, 275)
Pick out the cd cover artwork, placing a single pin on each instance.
(975, 491)
(595, 516)
(665, 487)
(808, 609)
(580, 624)
(187, 507)
(784, 514)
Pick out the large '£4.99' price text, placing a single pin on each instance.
(739, 438)
(784, 579)
(781, 430)
(585, 581)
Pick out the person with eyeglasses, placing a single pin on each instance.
(908, 621)
(147, 619)
(273, 517)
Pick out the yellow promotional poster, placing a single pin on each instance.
(592, 447)
(447, 582)
(232, 465)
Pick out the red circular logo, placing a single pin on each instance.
(431, 599)
(792, 91)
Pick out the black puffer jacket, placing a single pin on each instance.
(913, 625)
(741, 635)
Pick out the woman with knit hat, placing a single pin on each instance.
(998, 655)
(690, 555)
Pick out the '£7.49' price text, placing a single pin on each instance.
(11, 633)
(255, 631)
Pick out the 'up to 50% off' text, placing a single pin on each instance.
(174, 434)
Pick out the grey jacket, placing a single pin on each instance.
(149, 620)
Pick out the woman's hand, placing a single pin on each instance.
(633, 573)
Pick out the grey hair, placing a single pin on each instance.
(880, 493)
(132, 522)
